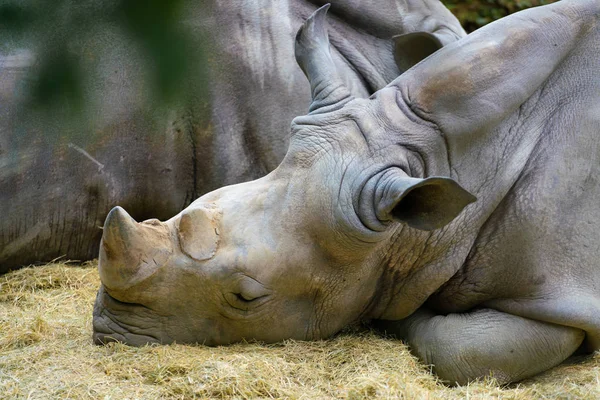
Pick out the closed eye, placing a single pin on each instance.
(243, 302)
(247, 299)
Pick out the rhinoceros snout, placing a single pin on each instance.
(114, 321)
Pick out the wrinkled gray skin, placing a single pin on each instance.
(365, 219)
(58, 183)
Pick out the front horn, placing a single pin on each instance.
(329, 93)
(129, 251)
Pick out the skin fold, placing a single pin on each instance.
(455, 208)
(59, 181)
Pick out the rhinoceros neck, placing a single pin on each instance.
(526, 153)
(416, 263)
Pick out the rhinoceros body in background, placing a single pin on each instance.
(57, 183)
(364, 218)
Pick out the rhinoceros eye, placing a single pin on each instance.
(249, 293)
(242, 301)
(246, 298)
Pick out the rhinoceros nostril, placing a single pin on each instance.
(117, 321)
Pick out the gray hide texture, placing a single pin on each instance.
(57, 183)
(457, 208)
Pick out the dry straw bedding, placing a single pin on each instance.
(46, 352)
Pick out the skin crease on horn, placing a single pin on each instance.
(454, 208)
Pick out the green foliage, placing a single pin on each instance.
(61, 34)
(156, 25)
(474, 14)
(54, 30)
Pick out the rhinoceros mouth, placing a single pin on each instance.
(128, 323)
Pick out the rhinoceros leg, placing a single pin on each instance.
(464, 347)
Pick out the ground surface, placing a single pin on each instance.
(46, 352)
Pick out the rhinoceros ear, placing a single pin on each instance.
(424, 204)
(472, 85)
(199, 233)
(412, 48)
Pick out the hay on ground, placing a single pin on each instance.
(46, 352)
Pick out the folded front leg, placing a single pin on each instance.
(464, 347)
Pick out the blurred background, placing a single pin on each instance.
(59, 31)
(68, 37)
(474, 14)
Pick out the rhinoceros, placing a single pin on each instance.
(58, 183)
(455, 208)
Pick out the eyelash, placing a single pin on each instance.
(242, 299)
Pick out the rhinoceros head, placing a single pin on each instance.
(296, 254)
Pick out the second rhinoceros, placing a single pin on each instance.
(456, 207)
(59, 181)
